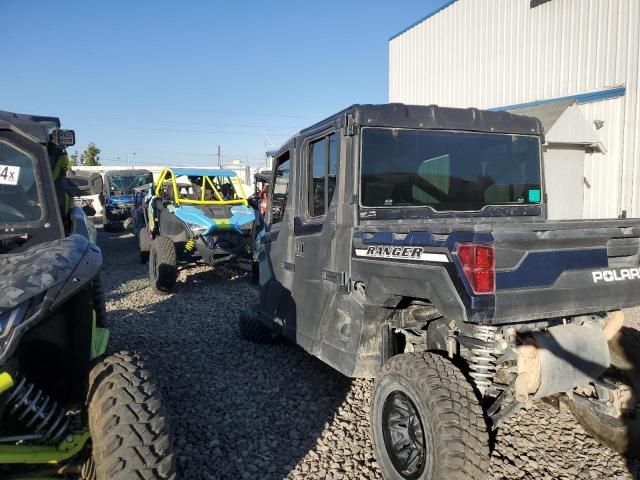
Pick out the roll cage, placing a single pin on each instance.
(210, 179)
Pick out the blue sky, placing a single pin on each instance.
(171, 80)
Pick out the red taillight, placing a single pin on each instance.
(479, 266)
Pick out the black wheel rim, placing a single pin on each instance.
(404, 435)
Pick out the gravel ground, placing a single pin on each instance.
(241, 410)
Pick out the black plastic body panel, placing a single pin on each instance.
(46, 276)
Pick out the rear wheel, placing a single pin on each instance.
(162, 264)
(618, 425)
(144, 244)
(426, 421)
(130, 433)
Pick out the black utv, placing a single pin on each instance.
(67, 409)
(410, 244)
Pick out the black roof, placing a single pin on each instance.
(430, 117)
(35, 127)
(437, 118)
(109, 173)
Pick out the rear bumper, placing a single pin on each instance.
(574, 293)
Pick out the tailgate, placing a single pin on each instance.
(566, 269)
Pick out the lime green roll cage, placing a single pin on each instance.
(167, 175)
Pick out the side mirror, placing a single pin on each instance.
(82, 183)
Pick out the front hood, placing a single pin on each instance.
(237, 217)
(33, 271)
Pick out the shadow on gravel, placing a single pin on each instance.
(202, 274)
(239, 410)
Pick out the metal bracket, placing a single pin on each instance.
(291, 267)
(334, 277)
(351, 128)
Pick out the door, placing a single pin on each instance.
(275, 252)
(314, 232)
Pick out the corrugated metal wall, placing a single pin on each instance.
(491, 53)
(602, 172)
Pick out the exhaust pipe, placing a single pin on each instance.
(563, 357)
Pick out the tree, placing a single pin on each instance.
(91, 156)
(73, 159)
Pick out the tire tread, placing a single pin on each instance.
(164, 280)
(130, 431)
(460, 430)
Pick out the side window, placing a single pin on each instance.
(19, 196)
(334, 154)
(280, 190)
(318, 160)
(323, 170)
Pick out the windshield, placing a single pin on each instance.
(19, 199)
(448, 170)
(124, 184)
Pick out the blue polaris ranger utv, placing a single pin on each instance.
(411, 244)
(194, 215)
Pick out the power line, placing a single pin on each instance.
(210, 132)
(183, 122)
(270, 114)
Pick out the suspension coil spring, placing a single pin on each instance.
(483, 358)
(37, 412)
(190, 246)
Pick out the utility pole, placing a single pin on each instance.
(219, 158)
(267, 144)
(129, 159)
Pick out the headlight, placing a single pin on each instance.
(197, 229)
(11, 319)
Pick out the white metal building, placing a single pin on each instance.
(511, 54)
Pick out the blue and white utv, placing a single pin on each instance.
(194, 215)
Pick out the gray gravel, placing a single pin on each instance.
(249, 411)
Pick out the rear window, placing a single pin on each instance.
(19, 198)
(446, 171)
